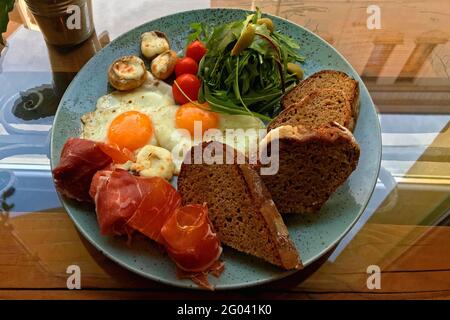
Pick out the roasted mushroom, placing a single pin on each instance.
(154, 43)
(127, 73)
(164, 64)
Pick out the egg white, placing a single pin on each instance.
(155, 100)
(148, 99)
(152, 95)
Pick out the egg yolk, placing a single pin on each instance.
(131, 130)
(189, 113)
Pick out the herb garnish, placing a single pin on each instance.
(251, 78)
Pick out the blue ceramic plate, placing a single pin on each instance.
(313, 235)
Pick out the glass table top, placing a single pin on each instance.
(404, 230)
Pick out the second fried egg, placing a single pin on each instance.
(148, 116)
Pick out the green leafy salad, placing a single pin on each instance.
(248, 66)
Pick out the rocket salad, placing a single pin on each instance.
(247, 67)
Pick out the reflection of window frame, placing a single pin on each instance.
(407, 97)
(407, 92)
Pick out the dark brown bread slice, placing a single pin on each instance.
(326, 79)
(240, 207)
(317, 110)
(312, 165)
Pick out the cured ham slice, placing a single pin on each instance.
(190, 239)
(117, 154)
(117, 196)
(201, 278)
(126, 203)
(100, 178)
(155, 208)
(80, 160)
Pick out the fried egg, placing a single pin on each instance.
(148, 116)
(125, 116)
(152, 95)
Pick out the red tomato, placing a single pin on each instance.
(189, 84)
(186, 65)
(196, 50)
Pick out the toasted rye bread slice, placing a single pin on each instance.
(312, 165)
(326, 79)
(317, 110)
(240, 207)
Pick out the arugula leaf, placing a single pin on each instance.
(5, 7)
(200, 31)
(253, 81)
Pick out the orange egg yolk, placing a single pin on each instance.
(131, 130)
(189, 113)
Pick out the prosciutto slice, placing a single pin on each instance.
(117, 195)
(190, 239)
(155, 209)
(126, 203)
(80, 160)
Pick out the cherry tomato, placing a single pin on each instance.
(189, 84)
(196, 50)
(186, 65)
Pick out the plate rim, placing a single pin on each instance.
(220, 286)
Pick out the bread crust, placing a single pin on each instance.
(332, 134)
(284, 118)
(261, 200)
(352, 98)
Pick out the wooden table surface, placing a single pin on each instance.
(406, 66)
